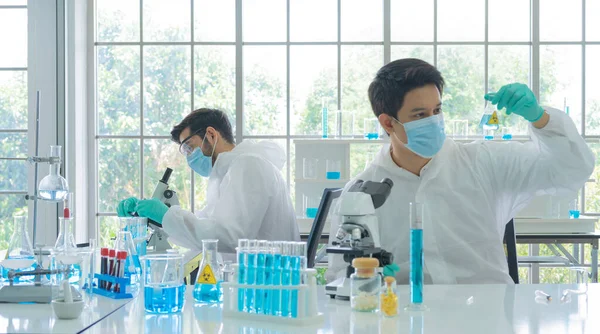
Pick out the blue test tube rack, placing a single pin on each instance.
(123, 282)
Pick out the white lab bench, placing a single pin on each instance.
(39, 318)
(461, 309)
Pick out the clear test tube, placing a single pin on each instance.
(277, 251)
(416, 257)
(286, 277)
(251, 275)
(242, 251)
(298, 264)
(261, 254)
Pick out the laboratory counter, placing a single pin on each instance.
(461, 309)
(39, 318)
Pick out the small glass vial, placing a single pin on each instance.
(365, 285)
(389, 298)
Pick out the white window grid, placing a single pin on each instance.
(14, 131)
(534, 73)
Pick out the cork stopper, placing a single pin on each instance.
(365, 263)
(389, 280)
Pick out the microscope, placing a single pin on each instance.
(158, 237)
(358, 234)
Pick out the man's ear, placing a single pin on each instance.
(386, 123)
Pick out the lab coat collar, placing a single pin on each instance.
(384, 160)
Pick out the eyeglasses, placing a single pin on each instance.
(184, 147)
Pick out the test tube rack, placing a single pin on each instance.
(307, 302)
(123, 282)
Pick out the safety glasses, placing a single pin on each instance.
(184, 147)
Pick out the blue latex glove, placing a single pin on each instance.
(127, 206)
(152, 208)
(518, 99)
(391, 270)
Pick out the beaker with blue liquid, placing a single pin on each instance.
(334, 169)
(164, 290)
(207, 289)
(371, 128)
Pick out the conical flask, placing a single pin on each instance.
(65, 240)
(54, 187)
(19, 256)
(208, 281)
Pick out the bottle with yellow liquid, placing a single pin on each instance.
(389, 298)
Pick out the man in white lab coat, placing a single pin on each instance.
(247, 196)
(470, 191)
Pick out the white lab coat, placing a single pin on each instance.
(470, 192)
(247, 197)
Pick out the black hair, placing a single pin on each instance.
(200, 119)
(394, 80)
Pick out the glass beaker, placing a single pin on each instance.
(581, 277)
(54, 187)
(138, 227)
(311, 206)
(74, 268)
(19, 256)
(507, 133)
(574, 208)
(461, 128)
(334, 169)
(163, 283)
(309, 168)
(133, 267)
(208, 284)
(371, 128)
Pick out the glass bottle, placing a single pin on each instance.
(365, 285)
(54, 187)
(389, 298)
(208, 284)
(19, 256)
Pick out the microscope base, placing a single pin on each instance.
(340, 288)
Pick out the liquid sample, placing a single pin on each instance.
(164, 299)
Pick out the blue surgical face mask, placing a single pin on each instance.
(425, 136)
(199, 162)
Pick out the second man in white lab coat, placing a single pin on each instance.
(247, 196)
(469, 191)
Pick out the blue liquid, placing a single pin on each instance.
(416, 266)
(372, 135)
(334, 175)
(260, 280)
(311, 212)
(276, 294)
(506, 136)
(268, 281)
(53, 195)
(324, 121)
(295, 263)
(168, 299)
(574, 214)
(207, 293)
(488, 137)
(250, 279)
(21, 279)
(484, 120)
(241, 279)
(285, 280)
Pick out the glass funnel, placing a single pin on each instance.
(54, 187)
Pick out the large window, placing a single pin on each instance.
(273, 64)
(13, 115)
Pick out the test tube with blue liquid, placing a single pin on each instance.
(416, 258)
(266, 308)
(242, 251)
(251, 275)
(261, 254)
(276, 279)
(298, 264)
(286, 279)
(574, 208)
